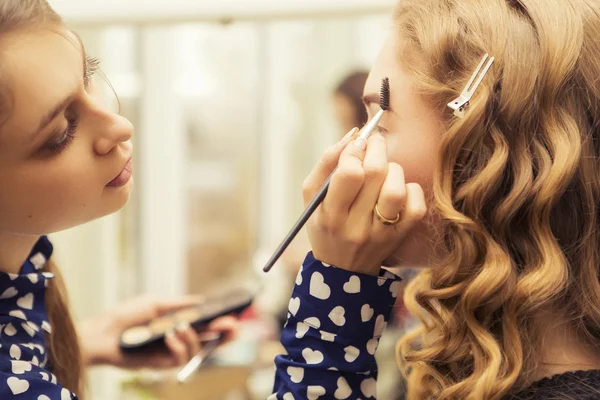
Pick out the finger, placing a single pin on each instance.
(229, 326)
(177, 348)
(324, 167)
(375, 165)
(393, 195)
(347, 181)
(415, 208)
(147, 307)
(164, 306)
(190, 339)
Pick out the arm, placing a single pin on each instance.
(336, 319)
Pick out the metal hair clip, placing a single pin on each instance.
(462, 102)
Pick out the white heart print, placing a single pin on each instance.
(366, 313)
(337, 316)
(299, 276)
(353, 285)
(46, 326)
(395, 288)
(381, 281)
(28, 329)
(35, 361)
(65, 395)
(313, 321)
(343, 391)
(318, 287)
(45, 376)
(312, 357)
(15, 352)
(8, 293)
(369, 387)
(294, 306)
(18, 314)
(327, 337)
(33, 326)
(372, 346)
(288, 396)
(352, 354)
(26, 301)
(10, 330)
(296, 374)
(43, 397)
(380, 325)
(20, 367)
(314, 392)
(33, 278)
(38, 260)
(17, 386)
(301, 329)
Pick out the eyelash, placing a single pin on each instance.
(65, 138)
(68, 135)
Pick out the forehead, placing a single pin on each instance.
(40, 68)
(387, 64)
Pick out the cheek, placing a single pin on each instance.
(50, 196)
(417, 158)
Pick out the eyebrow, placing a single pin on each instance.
(60, 107)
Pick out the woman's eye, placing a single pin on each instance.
(65, 138)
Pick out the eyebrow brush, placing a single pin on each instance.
(364, 133)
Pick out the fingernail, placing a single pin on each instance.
(350, 134)
(360, 143)
(182, 326)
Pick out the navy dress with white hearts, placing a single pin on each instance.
(24, 370)
(334, 324)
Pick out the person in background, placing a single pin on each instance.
(348, 105)
(65, 159)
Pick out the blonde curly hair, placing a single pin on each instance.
(516, 189)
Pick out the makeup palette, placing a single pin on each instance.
(151, 335)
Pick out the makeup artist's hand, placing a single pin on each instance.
(344, 231)
(99, 335)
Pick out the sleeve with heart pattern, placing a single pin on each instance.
(24, 380)
(335, 321)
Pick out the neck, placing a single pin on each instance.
(563, 350)
(14, 250)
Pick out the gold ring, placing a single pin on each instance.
(383, 219)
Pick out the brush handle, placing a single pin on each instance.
(318, 199)
(310, 209)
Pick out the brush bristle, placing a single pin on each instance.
(384, 100)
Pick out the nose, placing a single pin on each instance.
(115, 130)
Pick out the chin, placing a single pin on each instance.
(116, 198)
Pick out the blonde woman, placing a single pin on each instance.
(499, 204)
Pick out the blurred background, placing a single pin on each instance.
(233, 102)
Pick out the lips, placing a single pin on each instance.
(123, 177)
